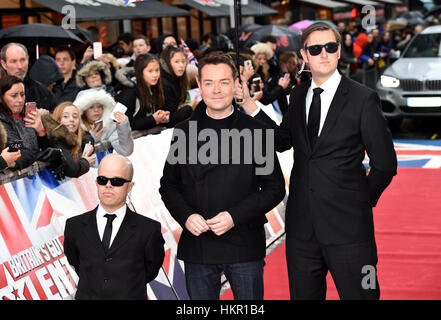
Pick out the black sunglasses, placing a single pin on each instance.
(315, 50)
(115, 181)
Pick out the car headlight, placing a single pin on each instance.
(389, 82)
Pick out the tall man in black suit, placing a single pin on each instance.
(114, 250)
(331, 122)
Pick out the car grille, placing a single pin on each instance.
(417, 85)
(411, 85)
(433, 84)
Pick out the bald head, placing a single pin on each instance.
(120, 165)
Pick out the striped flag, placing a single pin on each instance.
(190, 56)
(131, 1)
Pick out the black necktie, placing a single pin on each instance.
(108, 230)
(314, 117)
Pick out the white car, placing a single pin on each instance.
(411, 86)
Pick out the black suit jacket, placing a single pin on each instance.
(122, 272)
(330, 192)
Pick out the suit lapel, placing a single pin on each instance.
(91, 229)
(125, 232)
(338, 103)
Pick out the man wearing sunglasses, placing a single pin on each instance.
(114, 250)
(331, 123)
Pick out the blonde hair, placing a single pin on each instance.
(57, 115)
(262, 48)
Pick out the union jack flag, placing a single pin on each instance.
(417, 153)
(33, 212)
(190, 56)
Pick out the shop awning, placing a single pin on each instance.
(217, 9)
(363, 2)
(91, 10)
(326, 3)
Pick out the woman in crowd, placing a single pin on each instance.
(145, 101)
(275, 88)
(97, 105)
(7, 157)
(20, 126)
(164, 41)
(65, 133)
(262, 52)
(348, 62)
(175, 84)
(288, 64)
(95, 74)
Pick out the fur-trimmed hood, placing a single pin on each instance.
(3, 136)
(58, 131)
(86, 98)
(125, 76)
(98, 66)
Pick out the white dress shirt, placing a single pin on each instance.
(329, 88)
(101, 221)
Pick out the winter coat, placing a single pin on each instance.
(208, 189)
(172, 92)
(66, 91)
(59, 137)
(32, 144)
(46, 71)
(119, 135)
(95, 66)
(37, 92)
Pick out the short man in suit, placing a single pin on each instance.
(331, 122)
(114, 250)
(221, 205)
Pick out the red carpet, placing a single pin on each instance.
(408, 234)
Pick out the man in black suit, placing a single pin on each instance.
(331, 122)
(221, 205)
(114, 250)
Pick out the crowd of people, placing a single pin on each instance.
(364, 50)
(75, 94)
(221, 207)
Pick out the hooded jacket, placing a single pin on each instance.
(95, 66)
(119, 135)
(46, 71)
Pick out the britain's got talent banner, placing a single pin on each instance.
(34, 209)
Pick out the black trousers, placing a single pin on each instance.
(352, 266)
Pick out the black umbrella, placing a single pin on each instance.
(38, 34)
(432, 10)
(244, 32)
(82, 33)
(412, 18)
(287, 39)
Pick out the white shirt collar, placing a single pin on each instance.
(120, 213)
(330, 85)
